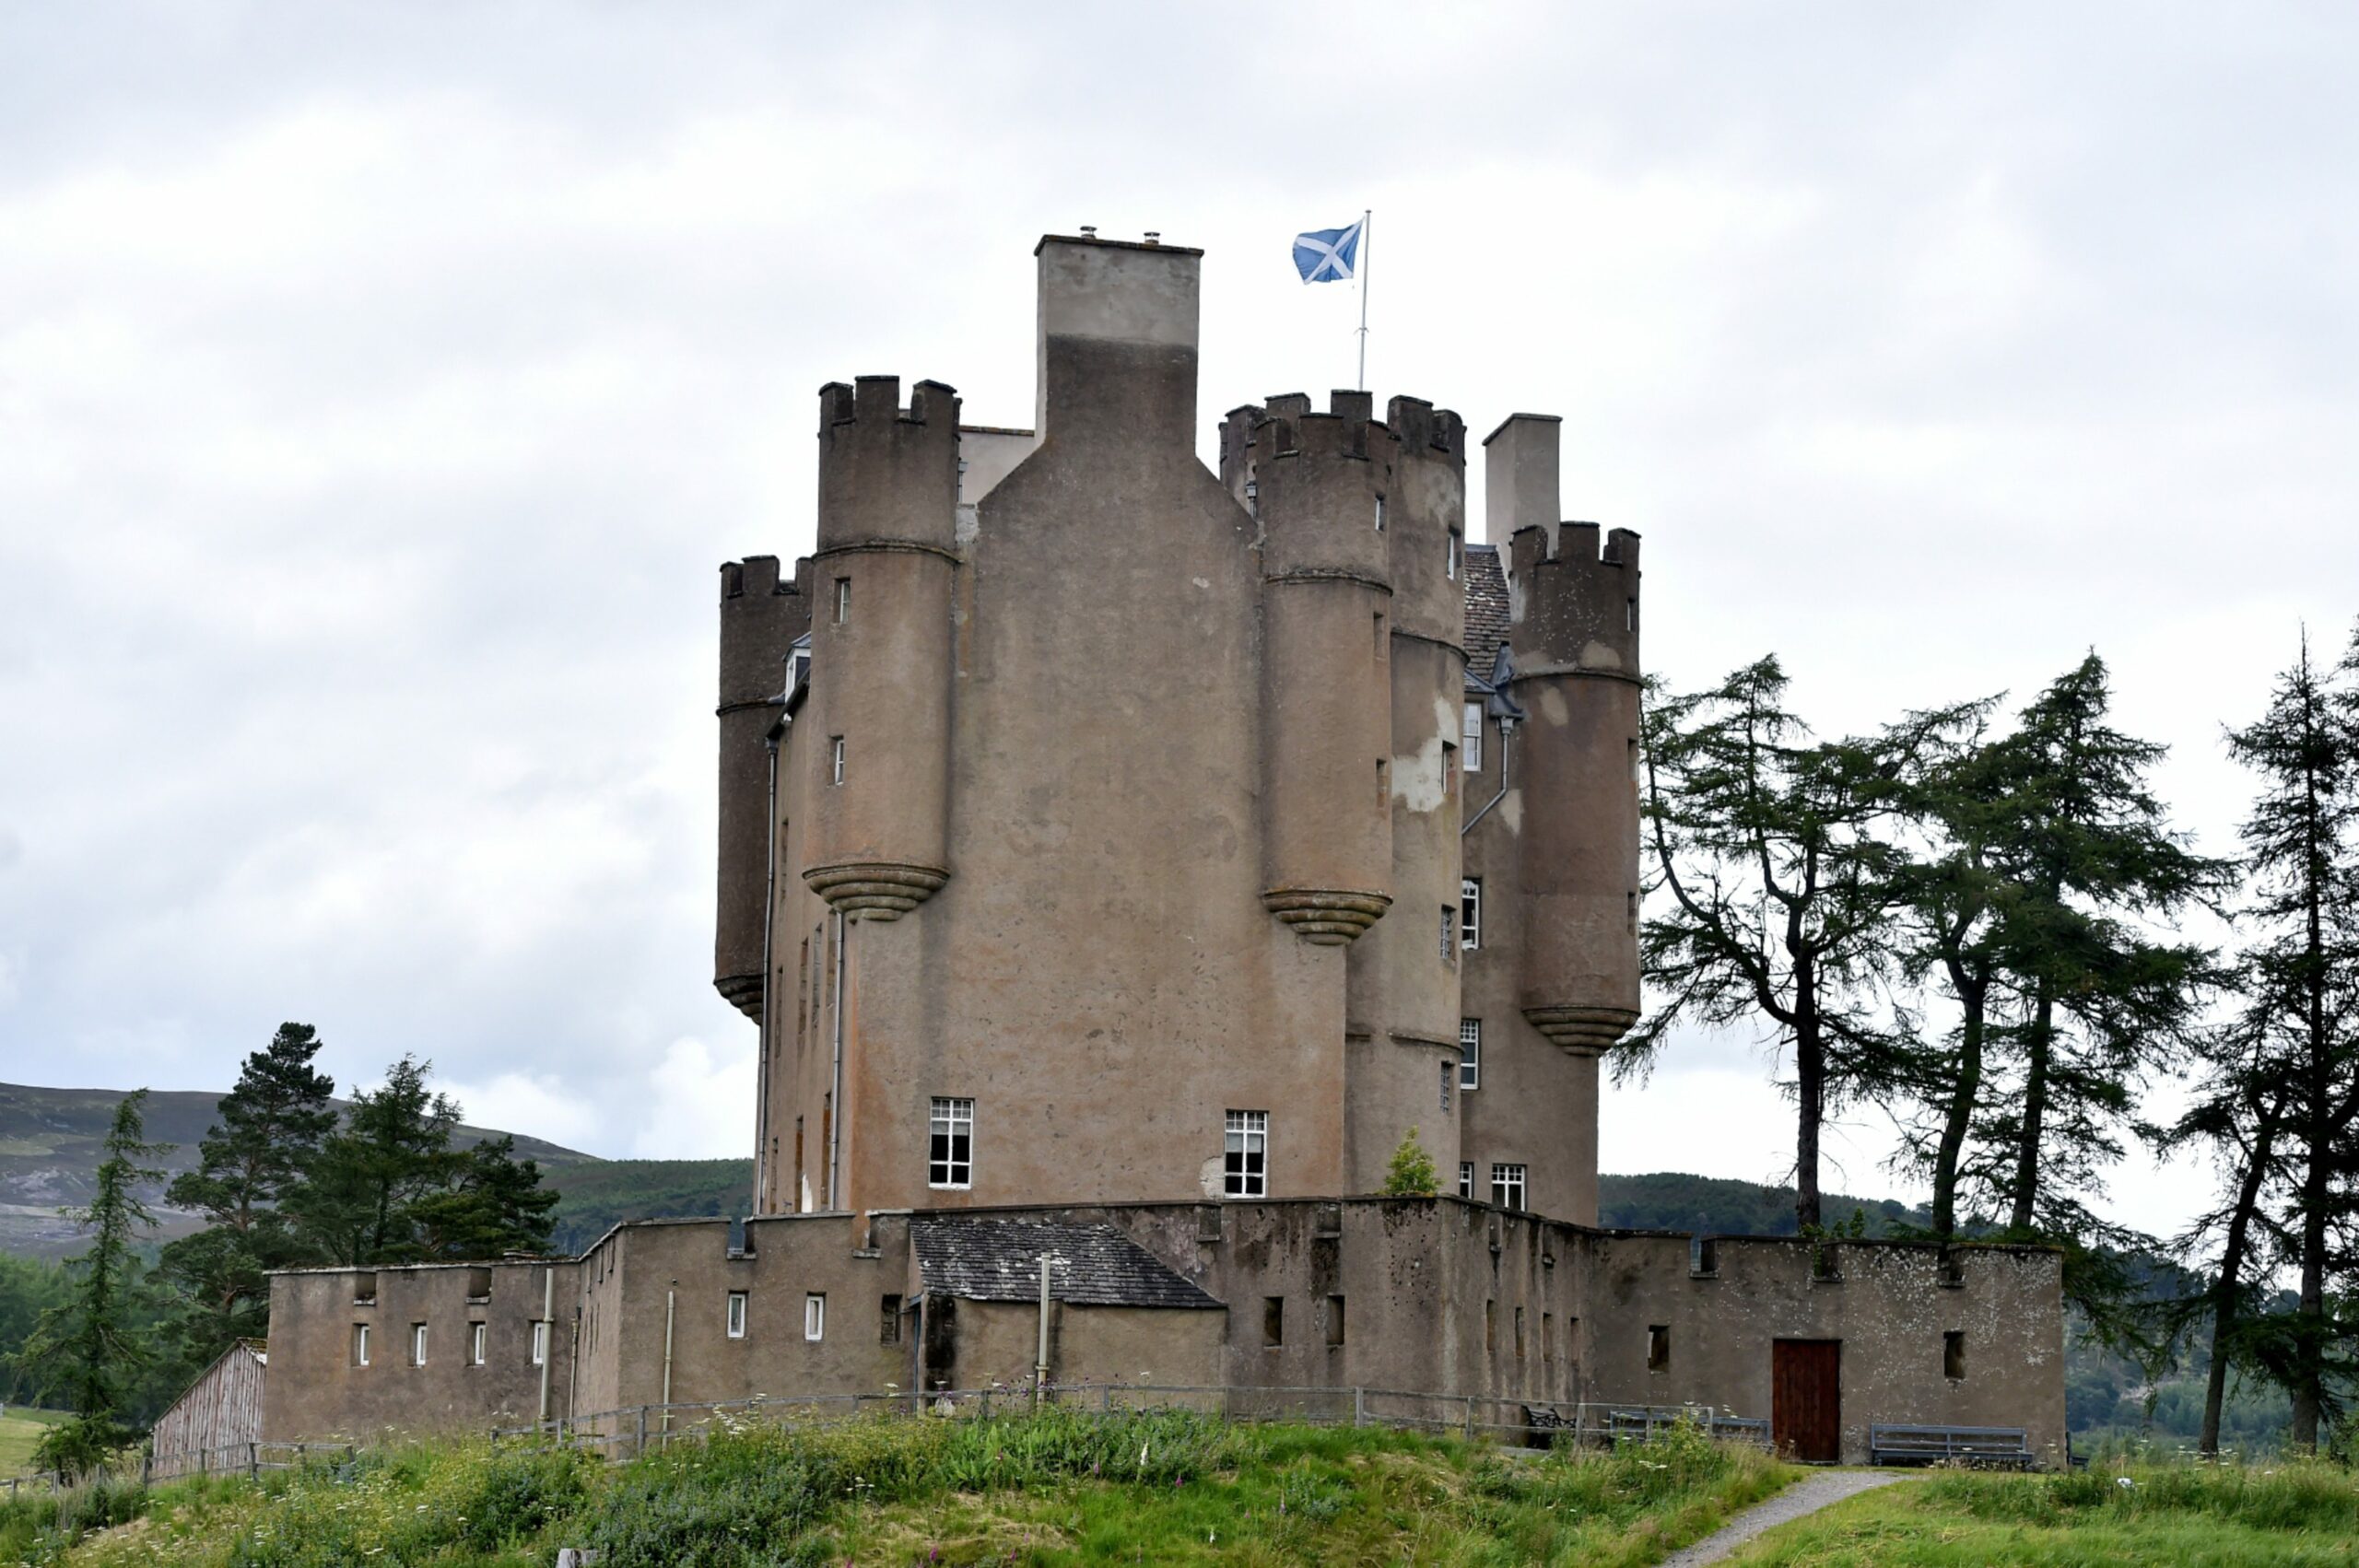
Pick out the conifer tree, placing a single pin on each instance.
(1412, 1172)
(83, 1349)
(2300, 1018)
(494, 1205)
(358, 1205)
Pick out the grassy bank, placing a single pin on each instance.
(20, 1430)
(1162, 1487)
(2268, 1516)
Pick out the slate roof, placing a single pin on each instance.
(1090, 1265)
(1486, 609)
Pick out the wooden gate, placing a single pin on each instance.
(1806, 1399)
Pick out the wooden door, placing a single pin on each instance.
(1806, 1399)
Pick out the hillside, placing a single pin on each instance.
(50, 1141)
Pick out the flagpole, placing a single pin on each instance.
(1367, 215)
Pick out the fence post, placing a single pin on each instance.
(640, 1447)
(254, 1461)
(1359, 1407)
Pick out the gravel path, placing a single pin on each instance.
(1803, 1497)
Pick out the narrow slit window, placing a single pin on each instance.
(1245, 1155)
(1658, 1347)
(814, 1317)
(361, 1344)
(1547, 1338)
(1506, 1185)
(835, 759)
(950, 1145)
(1448, 771)
(540, 1343)
(1380, 514)
(1470, 912)
(1449, 934)
(1452, 566)
(1469, 1053)
(1383, 785)
(1469, 737)
(843, 600)
(1490, 1327)
(476, 1333)
(735, 1320)
(1449, 1080)
(1334, 1320)
(1630, 615)
(1274, 1322)
(1953, 1355)
(1518, 1333)
(417, 1344)
(888, 1320)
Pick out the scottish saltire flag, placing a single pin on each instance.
(1328, 255)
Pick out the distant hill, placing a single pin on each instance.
(50, 1149)
(598, 1195)
(1711, 1206)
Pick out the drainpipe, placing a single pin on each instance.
(1040, 1366)
(835, 1073)
(573, 1358)
(770, 986)
(671, 1304)
(1507, 731)
(548, 1336)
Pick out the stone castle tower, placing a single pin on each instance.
(1094, 827)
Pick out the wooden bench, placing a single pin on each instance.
(1976, 1447)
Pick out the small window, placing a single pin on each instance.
(361, 1344)
(1380, 514)
(1953, 1355)
(1490, 1327)
(478, 1284)
(1245, 1155)
(1630, 615)
(1547, 1338)
(814, 1317)
(1506, 1185)
(1449, 934)
(1253, 497)
(1469, 737)
(364, 1290)
(540, 1343)
(1702, 1256)
(1449, 1078)
(1274, 1321)
(1452, 567)
(888, 1320)
(1334, 1320)
(836, 759)
(1658, 1347)
(843, 600)
(1469, 1053)
(1448, 771)
(1466, 1179)
(1518, 1333)
(950, 1145)
(417, 1344)
(1470, 912)
(475, 1334)
(736, 1319)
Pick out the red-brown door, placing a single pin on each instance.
(1806, 1399)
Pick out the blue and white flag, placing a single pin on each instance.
(1328, 255)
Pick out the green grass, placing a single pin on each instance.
(1059, 1488)
(20, 1430)
(2268, 1515)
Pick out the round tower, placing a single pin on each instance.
(1321, 490)
(876, 845)
(1574, 638)
(760, 618)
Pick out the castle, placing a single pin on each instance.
(1120, 861)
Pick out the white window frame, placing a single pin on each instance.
(417, 1344)
(1470, 913)
(1469, 1053)
(361, 1344)
(1510, 1185)
(1466, 1179)
(836, 759)
(814, 1317)
(1469, 737)
(1380, 514)
(734, 1316)
(539, 1341)
(843, 600)
(1245, 1154)
(1453, 557)
(478, 1334)
(950, 1119)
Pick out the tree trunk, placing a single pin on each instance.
(1963, 1094)
(2309, 1344)
(1810, 1098)
(2227, 1296)
(2027, 1193)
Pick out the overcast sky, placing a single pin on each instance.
(380, 388)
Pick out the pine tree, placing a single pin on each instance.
(494, 1205)
(1412, 1172)
(83, 1349)
(1780, 857)
(2301, 1007)
(358, 1205)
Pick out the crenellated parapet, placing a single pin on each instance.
(874, 734)
(1573, 606)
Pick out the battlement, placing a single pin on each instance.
(1573, 605)
(887, 472)
(756, 575)
(1422, 427)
